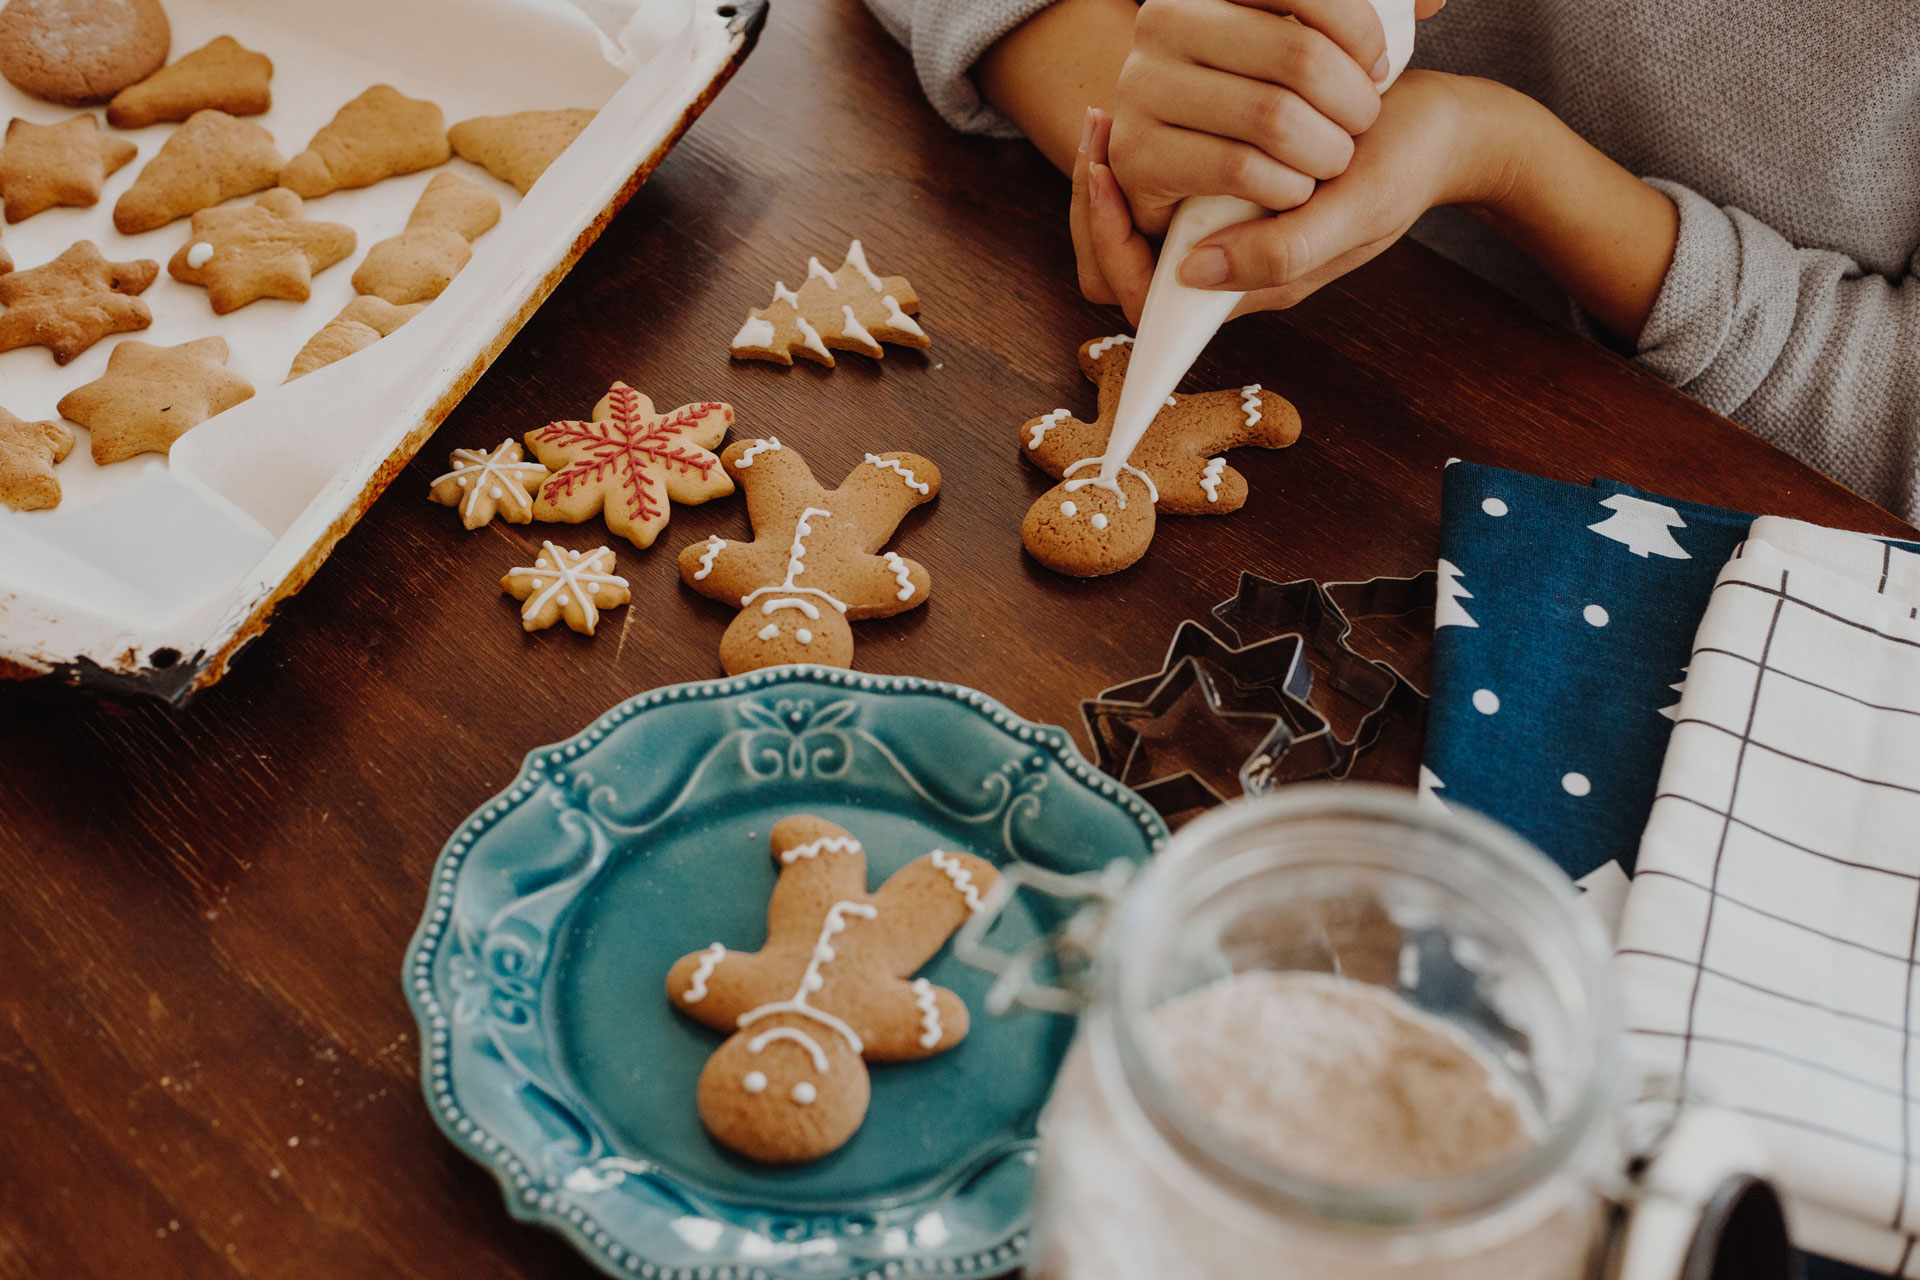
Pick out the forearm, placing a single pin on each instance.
(1045, 73)
(1602, 233)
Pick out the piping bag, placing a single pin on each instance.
(1178, 321)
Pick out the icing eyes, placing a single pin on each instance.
(804, 1092)
(755, 1082)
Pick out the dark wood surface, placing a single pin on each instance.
(206, 1065)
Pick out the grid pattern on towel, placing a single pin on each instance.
(1769, 945)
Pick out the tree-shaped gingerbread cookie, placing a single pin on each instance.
(1086, 529)
(815, 563)
(832, 990)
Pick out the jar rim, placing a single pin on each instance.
(1126, 963)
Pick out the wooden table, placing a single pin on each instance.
(206, 1065)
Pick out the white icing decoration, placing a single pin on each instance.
(893, 464)
(857, 259)
(796, 565)
(812, 981)
(851, 326)
(813, 848)
(817, 272)
(799, 1037)
(1048, 421)
(1250, 403)
(783, 294)
(812, 336)
(709, 961)
(1171, 402)
(1101, 347)
(754, 1082)
(757, 334)
(1099, 519)
(1069, 509)
(804, 636)
(898, 319)
(473, 469)
(1111, 486)
(578, 576)
(769, 631)
(926, 1001)
(804, 1092)
(757, 448)
(962, 878)
(714, 544)
(1210, 478)
(199, 255)
(901, 574)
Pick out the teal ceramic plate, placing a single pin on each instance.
(551, 1055)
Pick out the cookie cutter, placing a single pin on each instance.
(1263, 675)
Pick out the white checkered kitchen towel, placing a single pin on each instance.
(1767, 950)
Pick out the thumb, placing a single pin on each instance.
(1278, 250)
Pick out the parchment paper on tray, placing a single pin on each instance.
(152, 572)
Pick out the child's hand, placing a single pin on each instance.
(1228, 97)
(1439, 139)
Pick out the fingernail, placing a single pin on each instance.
(1086, 131)
(1204, 267)
(1379, 71)
(1097, 176)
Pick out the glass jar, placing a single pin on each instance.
(1459, 918)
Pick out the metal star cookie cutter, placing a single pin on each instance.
(1266, 681)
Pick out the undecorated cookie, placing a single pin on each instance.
(79, 51)
(570, 586)
(851, 309)
(360, 324)
(518, 148)
(28, 451)
(831, 990)
(815, 563)
(222, 75)
(151, 396)
(630, 463)
(484, 483)
(43, 165)
(71, 303)
(268, 249)
(380, 134)
(210, 158)
(1087, 528)
(420, 262)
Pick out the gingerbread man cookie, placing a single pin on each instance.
(1086, 528)
(570, 586)
(832, 990)
(852, 309)
(43, 165)
(629, 463)
(484, 483)
(815, 563)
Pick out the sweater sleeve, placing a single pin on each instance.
(946, 37)
(1800, 346)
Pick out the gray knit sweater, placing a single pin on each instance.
(1787, 132)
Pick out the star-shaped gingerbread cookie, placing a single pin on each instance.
(28, 451)
(43, 165)
(1086, 528)
(570, 586)
(71, 303)
(268, 249)
(151, 396)
(852, 309)
(815, 562)
(484, 483)
(628, 463)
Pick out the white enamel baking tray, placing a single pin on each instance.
(153, 573)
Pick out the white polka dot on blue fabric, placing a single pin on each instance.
(1576, 784)
(1494, 507)
(1486, 701)
(1595, 615)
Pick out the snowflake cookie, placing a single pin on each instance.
(851, 309)
(1085, 527)
(829, 538)
(485, 483)
(562, 584)
(628, 462)
(831, 991)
